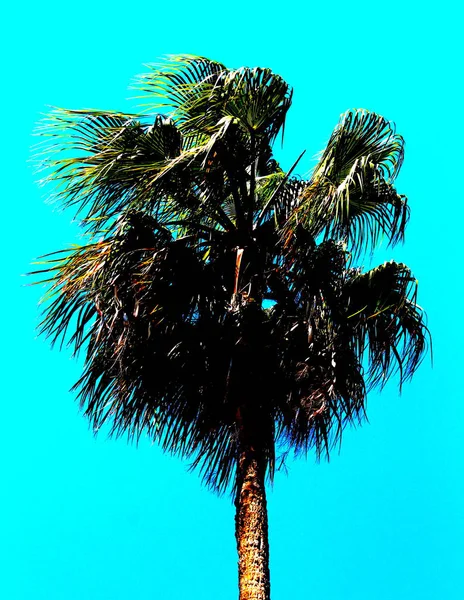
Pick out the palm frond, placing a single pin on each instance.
(109, 161)
(257, 98)
(385, 320)
(351, 195)
(179, 82)
(203, 92)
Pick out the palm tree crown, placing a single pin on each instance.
(217, 293)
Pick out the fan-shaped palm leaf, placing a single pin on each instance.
(351, 193)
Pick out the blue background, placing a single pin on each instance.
(85, 517)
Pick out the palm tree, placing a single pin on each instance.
(216, 297)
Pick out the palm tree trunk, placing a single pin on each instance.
(251, 528)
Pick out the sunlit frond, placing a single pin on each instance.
(351, 195)
(203, 93)
(107, 162)
(179, 84)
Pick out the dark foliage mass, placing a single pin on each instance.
(216, 289)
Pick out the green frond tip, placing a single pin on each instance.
(172, 83)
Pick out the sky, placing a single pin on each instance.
(88, 517)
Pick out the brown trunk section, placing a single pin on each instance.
(251, 529)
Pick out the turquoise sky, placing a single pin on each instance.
(90, 518)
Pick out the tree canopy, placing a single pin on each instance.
(214, 287)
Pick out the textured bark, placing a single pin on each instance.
(251, 529)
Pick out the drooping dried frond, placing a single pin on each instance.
(326, 388)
